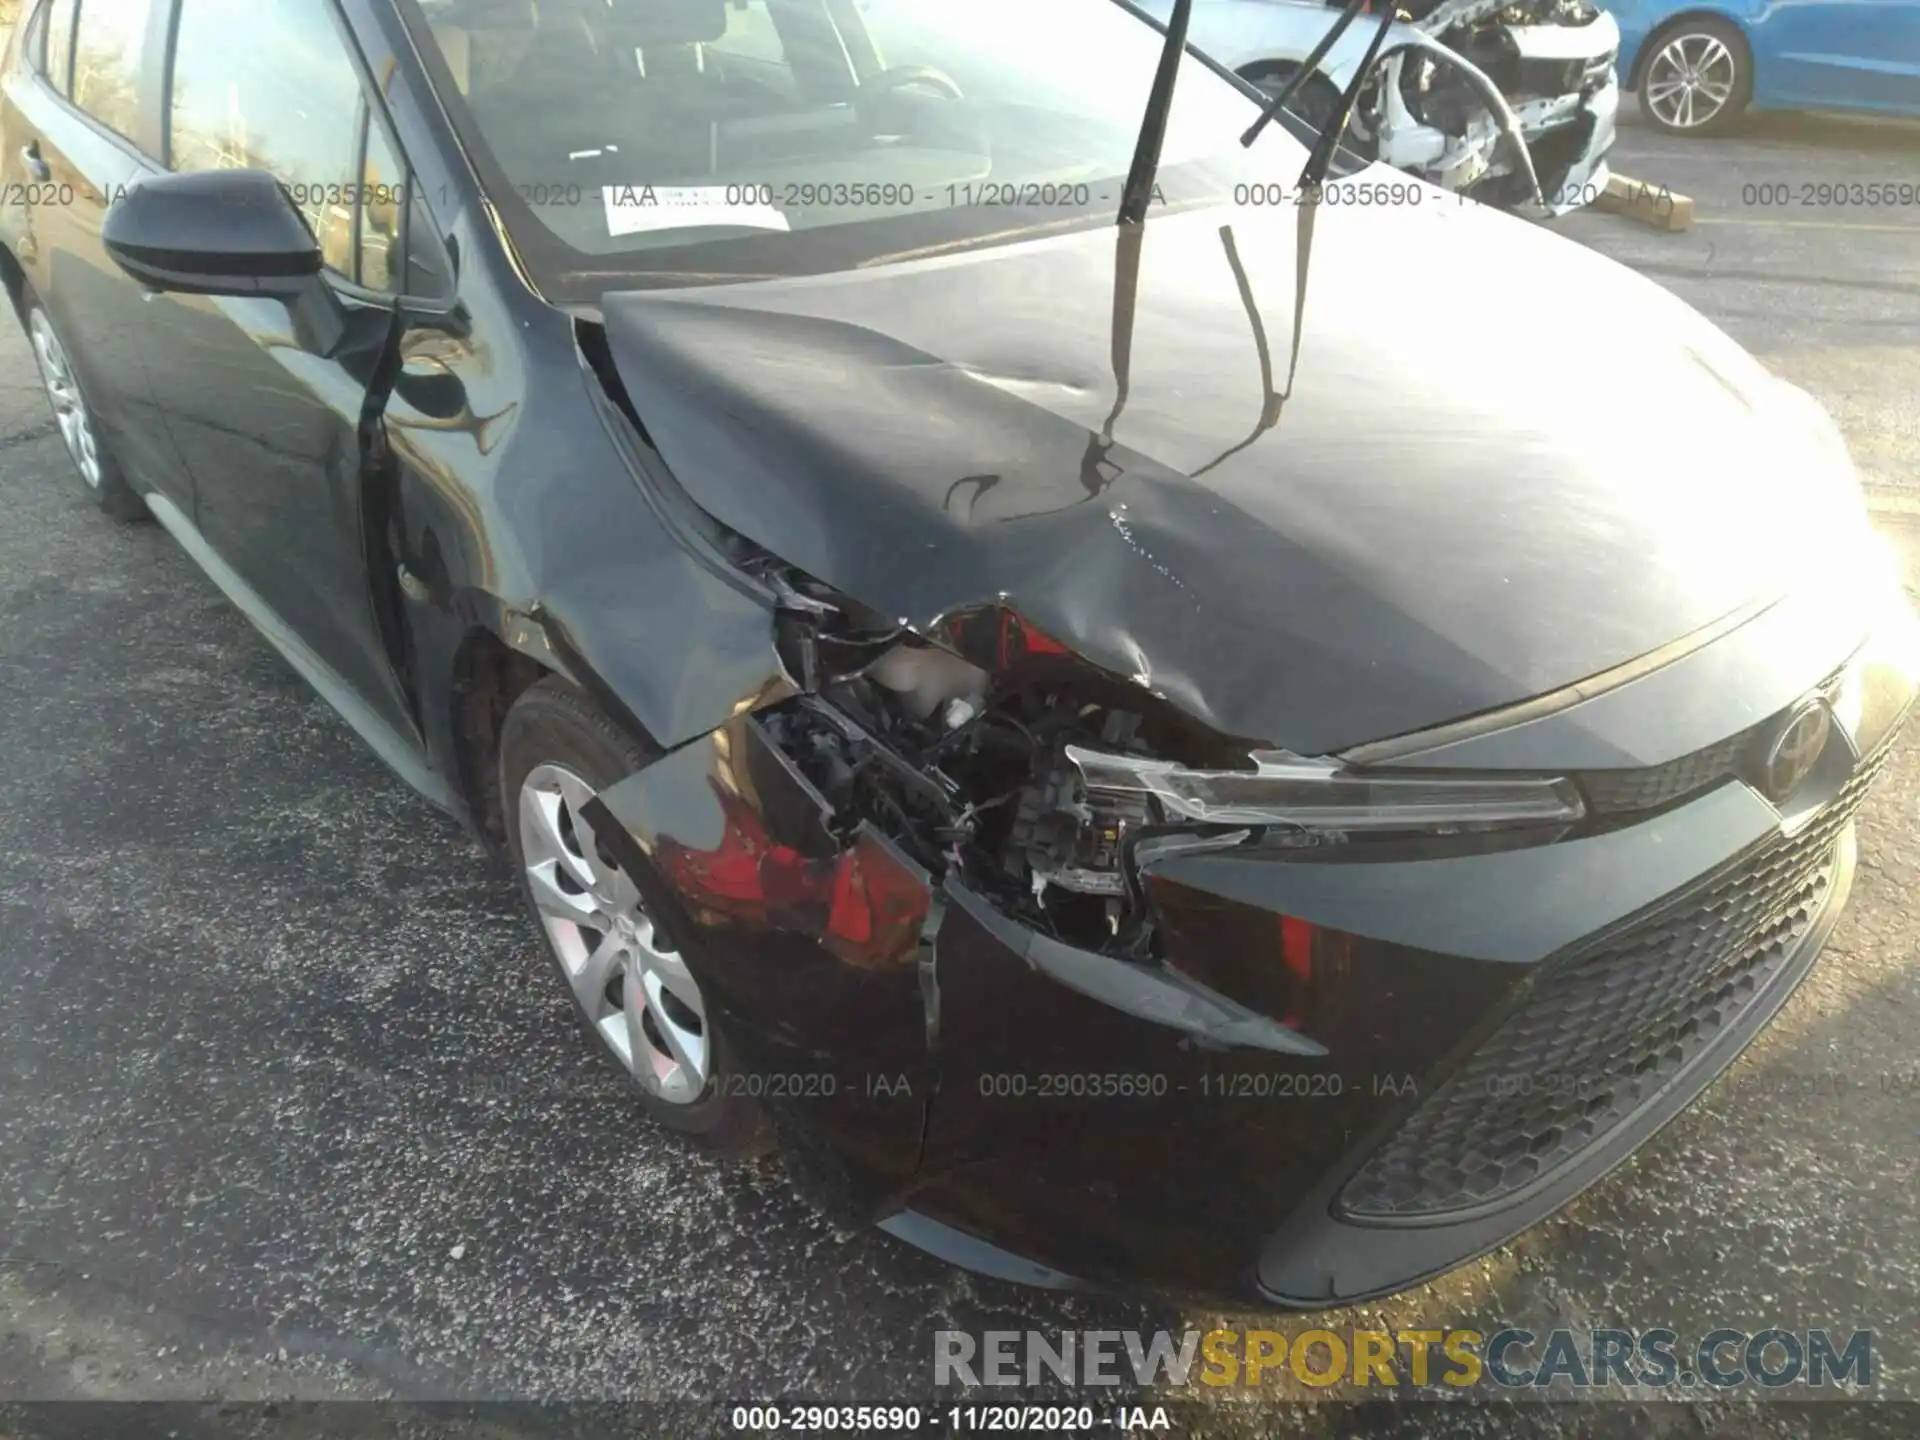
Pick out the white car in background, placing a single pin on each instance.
(1435, 105)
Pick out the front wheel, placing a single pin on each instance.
(633, 991)
(1698, 78)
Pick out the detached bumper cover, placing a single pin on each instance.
(1570, 140)
(1561, 84)
(1570, 124)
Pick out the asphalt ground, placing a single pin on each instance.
(290, 1106)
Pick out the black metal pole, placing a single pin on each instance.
(1153, 126)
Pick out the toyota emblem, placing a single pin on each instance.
(1796, 749)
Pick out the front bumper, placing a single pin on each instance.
(1570, 139)
(1570, 131)
(1488, 1031)
(1471, 1167)
(1561, 83)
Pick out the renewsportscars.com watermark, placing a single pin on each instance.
(1508, 1358)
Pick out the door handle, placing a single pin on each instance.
(36, 163)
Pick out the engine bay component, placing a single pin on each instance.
(1064, 836)
(1437, 95)
(977, 786)
(928, 679)
(1512, 103)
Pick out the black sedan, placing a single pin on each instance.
(1189, 743)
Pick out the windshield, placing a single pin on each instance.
(639, 140)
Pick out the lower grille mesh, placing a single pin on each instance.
(1602, 1035)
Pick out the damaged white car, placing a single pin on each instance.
(1510, 101)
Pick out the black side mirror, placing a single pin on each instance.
(212, 232)
(225, 232)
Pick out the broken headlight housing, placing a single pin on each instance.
(1284, 789)
(997, 757)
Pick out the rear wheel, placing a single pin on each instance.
(633, 991)
(1697, 79)
(98, 473)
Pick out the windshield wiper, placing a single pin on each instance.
(1153, 125)
(1318, 162)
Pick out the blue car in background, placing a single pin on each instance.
(1698, 69)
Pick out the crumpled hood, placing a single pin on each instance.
(1436, 19)
(1501, 463)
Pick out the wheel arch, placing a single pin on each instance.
(1339, 76)
(488, 675)
(494, 661)
(1250, 68)
(580, 565)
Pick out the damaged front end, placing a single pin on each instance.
(1038, 974)
(923, 877)
(1552, 62)
(998, 882)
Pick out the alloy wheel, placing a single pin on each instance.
(634, 987)
(1691, 79)
(63, 392)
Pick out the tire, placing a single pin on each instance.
(1710, 63)
(1316, 101)
(556, 750)
(99, 475)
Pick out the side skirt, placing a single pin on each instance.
(968, 1252)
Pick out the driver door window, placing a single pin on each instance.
(108, 47)
(271, 87)
(58, 39)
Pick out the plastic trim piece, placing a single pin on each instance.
(956, 1247)
(1162, 997)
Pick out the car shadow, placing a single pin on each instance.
(1873, 133)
